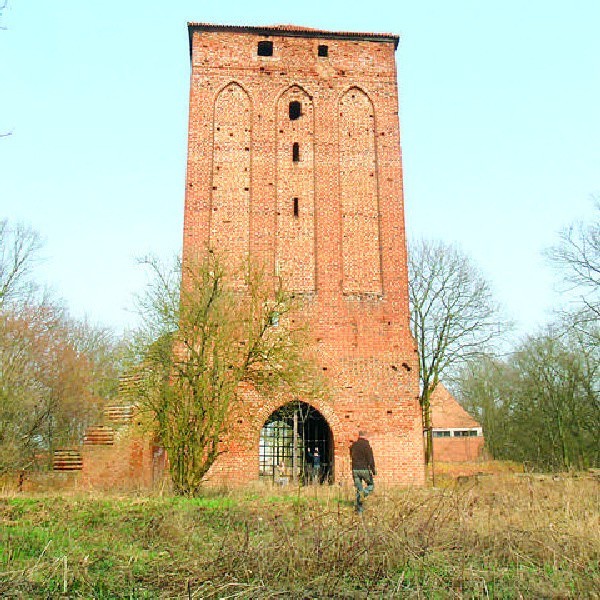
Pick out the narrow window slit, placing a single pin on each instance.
(296, 207)
(296, 152)
(295, 110)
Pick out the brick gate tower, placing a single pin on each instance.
(294, 161)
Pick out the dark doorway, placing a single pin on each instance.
(287, 445)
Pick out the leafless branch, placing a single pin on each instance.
(453, 314)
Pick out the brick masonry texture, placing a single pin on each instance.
(327, 217)
(458, 449)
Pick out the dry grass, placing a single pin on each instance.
(501, 536)
(445, 471)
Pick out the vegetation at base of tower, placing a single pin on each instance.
(55, 372)
(502, 536)
(205, 345)
(539, 402)
(453, 316)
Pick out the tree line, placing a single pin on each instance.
(56, 372)
(538, 402)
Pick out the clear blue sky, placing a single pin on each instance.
(500, 125)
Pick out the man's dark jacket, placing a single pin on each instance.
(362, 456)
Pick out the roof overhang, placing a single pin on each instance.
(292, 31)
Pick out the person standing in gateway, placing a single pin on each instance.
(363, 468)
(316, 465)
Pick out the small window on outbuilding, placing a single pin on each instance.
(462, 433)
(295, 110)
(323, 50)
(441, 434)
(265, 48)
(296, 152)
(296, 207)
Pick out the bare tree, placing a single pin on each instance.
(19, 248)
(541, 404)
(577, 256)
(211, 343)
(54, 371)
(3, 5)
(453, 316)
(48, 386)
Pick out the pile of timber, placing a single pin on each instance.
(67, 459)
(99, 435)
(120, 415)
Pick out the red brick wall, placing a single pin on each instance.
(457, 449)
(126, 465)
(345, 250)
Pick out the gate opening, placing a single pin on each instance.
(287, 446)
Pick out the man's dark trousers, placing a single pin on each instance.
(360, 476)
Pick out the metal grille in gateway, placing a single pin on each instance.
(286, 439)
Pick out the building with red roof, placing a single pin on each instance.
(457, 436)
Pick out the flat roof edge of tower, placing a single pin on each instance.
(293, 31)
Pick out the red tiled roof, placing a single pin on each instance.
(447, 413)
(290, 27)
(296, 31)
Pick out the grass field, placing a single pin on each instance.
(501, 536)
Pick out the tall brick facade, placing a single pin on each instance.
(294, 161)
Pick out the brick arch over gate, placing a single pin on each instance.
(270, 407)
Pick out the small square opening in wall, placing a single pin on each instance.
(323, 50)
(265, 48)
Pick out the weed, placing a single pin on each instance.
(492, 537)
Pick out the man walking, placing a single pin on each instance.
(363, 468)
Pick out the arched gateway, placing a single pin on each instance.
(288, 440)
